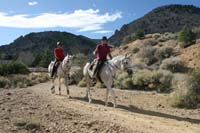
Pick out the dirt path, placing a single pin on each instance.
(138, 112)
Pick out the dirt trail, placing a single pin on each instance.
(138, 112)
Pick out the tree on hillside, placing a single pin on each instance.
(137, 35)
(186, 36)
(46, 58)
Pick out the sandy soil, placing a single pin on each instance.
(34, 109)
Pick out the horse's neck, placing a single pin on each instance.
(115, 62)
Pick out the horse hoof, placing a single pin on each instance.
(52, 91)
(90, 100)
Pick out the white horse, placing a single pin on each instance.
(62, 72)
(122, 63)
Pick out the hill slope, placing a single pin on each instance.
(37, 43)
(169, 18)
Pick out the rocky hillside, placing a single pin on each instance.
(28, 46)
(163, 19)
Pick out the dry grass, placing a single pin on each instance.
(23, 81)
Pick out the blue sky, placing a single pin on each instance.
(91, 18)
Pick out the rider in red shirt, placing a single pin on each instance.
(102, 51)
(59, 56)
(59, 52)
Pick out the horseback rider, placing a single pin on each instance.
(101, 52)
(59, 56)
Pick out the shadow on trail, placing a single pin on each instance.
(134, 109)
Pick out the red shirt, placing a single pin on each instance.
(59, 53)
(102, 52)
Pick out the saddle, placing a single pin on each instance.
(94, 70)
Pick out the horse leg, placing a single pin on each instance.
(113, 95)
(109, 88)
(67, 87)
(52, 86)
(88, 94)
(59, 85)
(106, 100)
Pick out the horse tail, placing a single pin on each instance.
(85, 71)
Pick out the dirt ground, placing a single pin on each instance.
(35, 109)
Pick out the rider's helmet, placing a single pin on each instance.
(59, 43)
(104, 38)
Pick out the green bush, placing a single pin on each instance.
(173, 64)
(82, 83)
(137, 35)
(186, 36)
(187, 91)
(135, 50)
(146, 54)
(76, 76)
(152, 80)
(123, 81)
(99, 85)
(4, 82)
(164, 52)
(13, 68)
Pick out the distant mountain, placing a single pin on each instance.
(32, 44)
(170, 18)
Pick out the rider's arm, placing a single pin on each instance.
(110, 56)
(95, 51)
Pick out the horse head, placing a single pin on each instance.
(126, 64)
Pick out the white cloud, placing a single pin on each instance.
(103, 31)
(83, 20)
(32, 3)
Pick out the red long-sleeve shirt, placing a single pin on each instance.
(59, 53)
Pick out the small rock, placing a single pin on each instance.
(48, 105)
(159, 105)
(8, 94)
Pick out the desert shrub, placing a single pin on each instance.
(13, 68)
(99, 85)
(187, 91)
(146, 54)
(76, 76)
(123, 81)
(186, 36)
(135, 50)
(43, 77)
(127, 39)
(4, 82)
(152, 80)
(82, 83)
(22, 81)
(27, 124)
(173, 64)
(164, 52)
(80, 60)
(137, 35)
(150, 42)
(156, 35)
